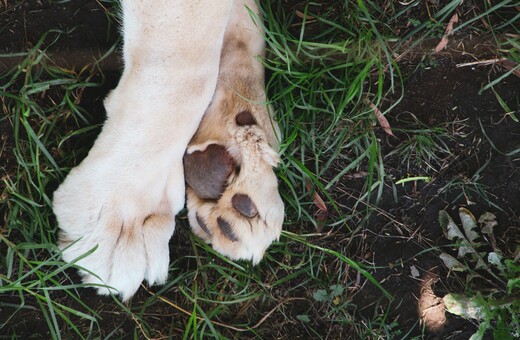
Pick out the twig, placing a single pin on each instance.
(481, 62)
(140, 327)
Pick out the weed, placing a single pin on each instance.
(495, 310)
(470, 188)
(422, 146)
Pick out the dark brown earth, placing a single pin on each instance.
(437, 92)
(404, 228)
(84, 29)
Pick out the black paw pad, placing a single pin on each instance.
(244, 205)
(207, 171)
(202, 225)
(245, 118)
(226, 229)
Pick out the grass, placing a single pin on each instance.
(323, 67)
(422, 146)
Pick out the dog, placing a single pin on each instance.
(188, 119)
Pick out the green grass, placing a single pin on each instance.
(322, 71)
(319, 87)
(423, 146)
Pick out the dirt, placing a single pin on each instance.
(83, 27)
(404, 229)
(409, 225)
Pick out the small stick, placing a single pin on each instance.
(481, 62)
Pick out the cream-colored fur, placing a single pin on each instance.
(240, 88)
(121, 200)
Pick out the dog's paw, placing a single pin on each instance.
(116, 226)
(232, 195)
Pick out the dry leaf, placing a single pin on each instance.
(469, 224)
(317, 198)
(301, 15)
(449, 28)
(323, 212)
(380, 117)
(449, 228)
(451, 263)
(414, 272)
(319, 202)
(453, 233)
(488, 221)
(496, 260)
(461, 305)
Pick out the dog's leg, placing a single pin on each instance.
(123, 197)
(233, 198)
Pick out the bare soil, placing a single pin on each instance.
(407, 226)
(403, 231)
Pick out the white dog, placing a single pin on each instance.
(187, 65)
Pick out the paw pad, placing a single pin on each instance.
(207, 171)
(226, 229)
(245, 118)
(202, 224)
(244, 205)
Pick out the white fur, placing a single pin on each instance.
(122, 199)
(134, 170)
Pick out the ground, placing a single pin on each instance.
(451, 139)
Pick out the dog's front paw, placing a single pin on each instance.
(232, 196)
(116, 224)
